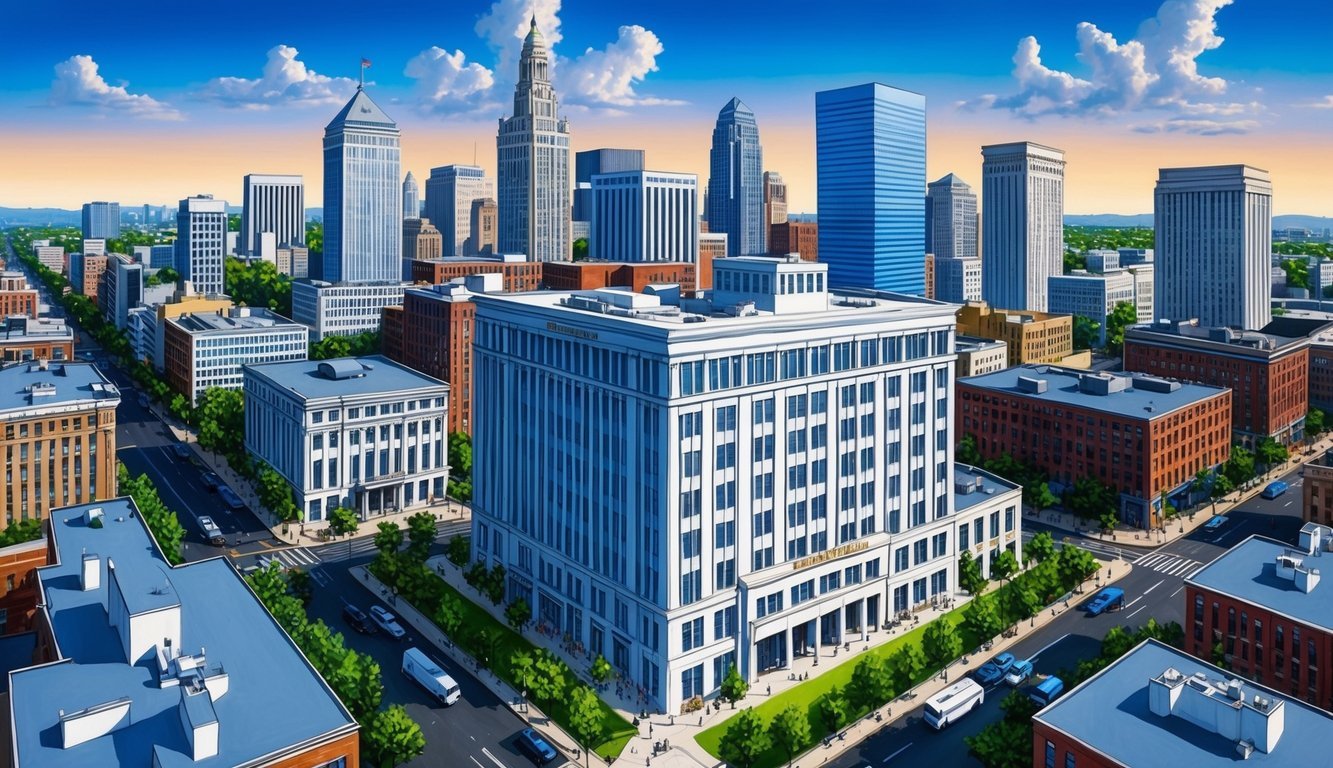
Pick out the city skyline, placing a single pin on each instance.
(1247, 92)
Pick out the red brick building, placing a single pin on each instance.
(587, 275)
(795, 237)
(18, 573)
(519, 274)
(432, 333)
(1268, 374)
(1142, 435)
(16, 297)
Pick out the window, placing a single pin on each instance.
(692, 634)
(900, 559)
(724, 623)
(919, 552)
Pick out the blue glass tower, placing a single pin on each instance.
(736, 181)
(363, 200)
(871, 154)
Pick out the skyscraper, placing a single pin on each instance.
(201, 242)
(532, 150)
(645, 216)
(363, 204)
(101, 220)
(481, 233)
(1214, 234)
(594, 161)
(411, 198)
(952, 208)
(1023, 190)
(273, 204)
(450, 192)
(736, 181)
(775, 198)
(870, 144)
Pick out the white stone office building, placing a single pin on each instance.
(201, 241)
(1214, 233)
(1092, 296)
(208, 349)
(684, 484)
(1023, 196)
(952, 215)
(957, 280)
(645, 216)
(342, 309)
(274, 205)
(988, 517)
(1144, 284)
(52, 257)
(365, 433)
(450, 192)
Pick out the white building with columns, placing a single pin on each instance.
(686, 484)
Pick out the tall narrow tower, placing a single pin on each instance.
(1023, 208)
(411, 198)
(363, 203)
(532, 149)
(736, 181)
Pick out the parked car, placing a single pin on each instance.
(387, 622)
(182, 451)
(212, 533)
(1046, 691)
(1018, 673)
(1214, 525)
(211, 481)
(994, 670)
(531, 743)
(357, 619)
(1109, 599)
(230, 498)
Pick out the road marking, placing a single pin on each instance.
(899, 752)
(1155, 586)
(1044, 648)
(487, 753)
(1135, 600)
(319, 576)
(474, 761)
(127, 447)
(1178, 591)
(1127, 618)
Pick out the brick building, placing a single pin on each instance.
(1142, 435)
(1033, 337)
(1268, 374)
(85, 273)
(795, 237)
(16, 296)
(1263, 602)
(18, 570)
(519, 273)
(588, 275)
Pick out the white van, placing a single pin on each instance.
(428, 675)
(953, 702)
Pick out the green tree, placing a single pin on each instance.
(220, 414)
(1240, 466)
(1270, 453)
(908, 662)
(1040, 547)
(20, 531)
(1075, 565)
(1086, 332)
(420, 535)
(392, 738)
(548, 680)
(580, 249)
(967, 452)
(518, 613)
(745, 740)
(275, 493)
(1039, 496)
(601, 669)
(449, 615)
(585, 718)
(1221, 487)
(1123, 316)
(872, 681)
(790, 730)
(1314, 421)
(970, 576)
(1089, 497)
(1003, 566)
(343, 522)
(941, 642)
(258, 284)
(357, 345)
(1298, 273)
(981, 618)
(460, 466)
(521, 669)
(168, 275)
(733, 688)
(458, 550)
(388, 538)
(1006, 743)
(833, 708)
(162, 522)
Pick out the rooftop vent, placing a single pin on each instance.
(1032, 385)
(1102, 384)
(344, 368)
(1155, 384)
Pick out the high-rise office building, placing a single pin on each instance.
(871, 155)
(644, 216)
(101, 220)
(593, 162)
(201, 242)
(1214, 234)
(450, 192)
(411, 198)
(421, 240)
(775, 198)
(532, 149)
(363, 204)
(736, 181)
(273, 204)
(957, 280)
(1023, 191)
(481, 234)
(951, 206)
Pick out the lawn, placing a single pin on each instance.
(806, 695)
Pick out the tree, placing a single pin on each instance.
(970, 576)
(1123, 316)
(162, 522)
(357, 345)
(388, 539)
(1298, 273)
(982, 619)
(745, 740)
(1002, 744)
(275, 493)
(833, 709)
(1221, 487)
(392, 738)
(941, 642)
(1314, 422)
(449, 615)
(790, 730)
(1089, 497)
(967, 452)
(908, 662)
(420, 535)
(1039, 496)
(1240, 466)
(733, 687)
(1270, 452)
(220, 415)
(601, 670)
(1003, 566)
(580, 250)
(258, 284)
(521, 669)
(1040, 547)
(1075, 565)
(458, 550)
(548, 680)
(20, 531)
(518, 613)
(167, 275)
(343, 522)
(1199, 484)
(460, 466)
(1169, 511)
(872, 681)
(585, 718)
(1086, 332)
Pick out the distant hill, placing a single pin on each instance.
(59, 217)
(1300, 221)
(1109, 220)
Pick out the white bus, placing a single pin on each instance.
(953, 702)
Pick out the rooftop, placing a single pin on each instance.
(1130, 395)
(316, 379)
(1194, 718)
(228, 662)
(1218, 338)
(233, 319)
(22, 327)
(976, 343)
(1251, 571)
(973, 485)
(24, 385)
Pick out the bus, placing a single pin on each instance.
(953, 702)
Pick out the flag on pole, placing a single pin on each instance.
(365, 63)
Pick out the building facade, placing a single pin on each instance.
(451, 192)
(1023, 189)
(421, 240)
(330, 309)
(870, 143)
(594, 162)
(532, 150)
(432, 333)
(201, 242)
(85, 273)
(736, 181)
(150, 333)
(1317, 490)
(363, 204)
(365, 433)
(989, 515)
(1093, 296)
(794, 237)
(588, 275)
(977, 356)
(273, 204)
(775, 198)
(1032, 337)
(751, 502)
(293, 261)
(957, 280)
(121, 289)
(1144, 436)
(206, 350)
(52, 257)
(101, 220)
(1213, 227)
(644, 216)
(519, 274)
(953, 219)
(25, 339)
(411, 198)
(484, 228)
(17, 297)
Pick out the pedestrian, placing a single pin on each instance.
(701, 721)
(650, 730)
(770, 690)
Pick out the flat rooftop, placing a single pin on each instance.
(1248, 571)
(237, 319)
(1220, 339)
(1109, 713)
(1062, 387)
(986, 486)
(44, 329)
(31, 385)
(218, 615)
(359, 376)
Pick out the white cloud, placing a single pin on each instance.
(504, 26)
(609, 76)
(286, 80)
(446, 81)
(77, 83)
(1199, 126)
(1324, 103)
(1156, 70)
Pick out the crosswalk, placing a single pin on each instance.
(1168, 564)
(295, 557)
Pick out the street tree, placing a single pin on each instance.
(908, 662)
(790, 730)
(388, 538)
(420, 535)
(1041, 547)
(548, 680)
(601, 669)
(1270, 453)
(275, 493)
(1075, 565)
(517, 614)
(458, 550)
(1003, 566)
(220, 414)
(449, 615)
(1086, 332)
(1240, 466)
(344, 522)
(833, 709)
(1124, 315)
(1314, 423)
(522, 668)
(941, 642)
(1221, 487)
(733, 688)
(745, 740)
(982, 619)
(1199, 484)
(585, 719)
(872, 681)
(970, 576)
(392, 738)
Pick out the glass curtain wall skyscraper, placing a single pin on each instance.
(870, 145)
(363, 201)
(736, 181)
(532, 151)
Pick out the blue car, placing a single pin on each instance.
(538, 750)
(1109, 599)
(994, 670)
